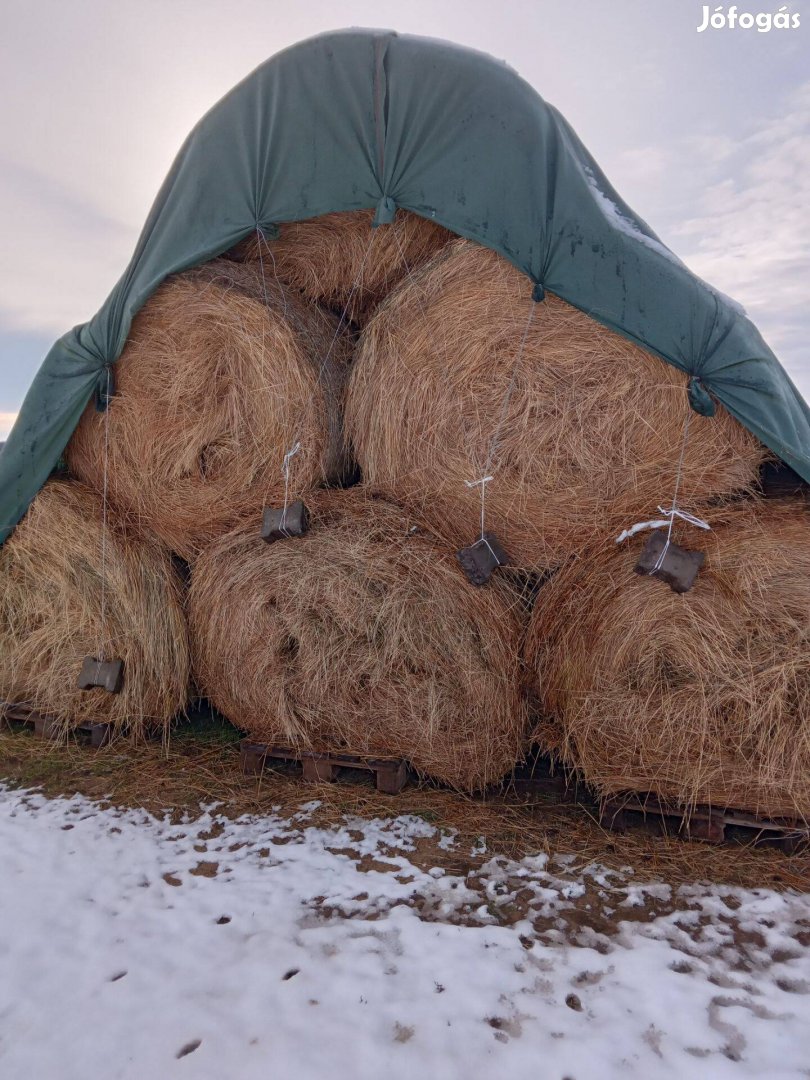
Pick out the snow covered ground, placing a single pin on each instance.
(264, 947)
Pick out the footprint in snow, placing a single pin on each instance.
(189, 1048)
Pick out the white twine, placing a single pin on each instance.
(104, 516)
(660, 523)
(285, 471)
(285, 467)
(669, 514)
(483, 482)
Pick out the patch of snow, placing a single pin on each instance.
(132, 947)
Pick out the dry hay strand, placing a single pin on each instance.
(362, 637)
(52, 615)
(584, 430)
(702, 697)
(223, 372)
(341, 261)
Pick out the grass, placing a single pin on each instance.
(200, 764)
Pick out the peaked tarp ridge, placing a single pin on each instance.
(365, 118)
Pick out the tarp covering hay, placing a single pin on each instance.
(219, 379)
(362, 636)
(587, 436)
(52, 615)
(702, 697)
(340, 260)
(375, 121)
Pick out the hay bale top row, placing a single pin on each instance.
(459, 374)
(224, 371)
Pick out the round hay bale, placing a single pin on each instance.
(52, 615)
(584, 431)
(221, 375)
(702, 697)
(362, 636)
(340, 260)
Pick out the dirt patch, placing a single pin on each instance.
(195, 767)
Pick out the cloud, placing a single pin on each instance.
(736, 211)
(62, 254)
(750, 232)
(6, 423)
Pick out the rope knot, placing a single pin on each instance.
(475, 483)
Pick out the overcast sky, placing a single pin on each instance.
(705, 134)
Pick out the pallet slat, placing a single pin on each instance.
(706, 823)
(391, 774)
(45, 727)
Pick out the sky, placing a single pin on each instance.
(706, 135)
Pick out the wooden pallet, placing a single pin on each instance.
(538, 778)
(391, 775)
(45, 727)
(709, 824)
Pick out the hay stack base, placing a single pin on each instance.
(580, 429)
(390, 775)
(45, 727)
(54, 613)
(705, 823)
(701, 698)
(361, 637)
(221, 376)
(341, 261)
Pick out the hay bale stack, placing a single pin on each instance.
(362, 636)
(52, 615)
(340, 260)
(588, 437)
(702, 697)
(221, 375)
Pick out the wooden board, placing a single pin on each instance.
(391, 775)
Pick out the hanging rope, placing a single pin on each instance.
(104, 514)
(483, 483)
(668, 514)
(494, 441)
(296, 447)
(487, 476)
(285, 470)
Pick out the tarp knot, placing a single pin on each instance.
(538, 292)
(105, 388)
(699, 397)
(385, 212)
(270, 231)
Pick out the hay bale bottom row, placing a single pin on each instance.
(703, 698)
(54, 612)
(362, 636)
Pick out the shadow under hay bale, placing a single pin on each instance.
(219, 379)
(584, 432)
(53, 615)
(362, 636)
(325, 256)
(704, 697)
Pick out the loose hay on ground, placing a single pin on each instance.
(220, 378)
(51, 615)
(340, 260)
(702, 697)
(361, 636)
(588, 435)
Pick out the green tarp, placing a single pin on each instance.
(365, 118)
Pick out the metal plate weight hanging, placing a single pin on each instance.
(480, 559)
(106, 674)
(282, 524)
(679, 566)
